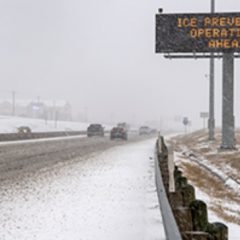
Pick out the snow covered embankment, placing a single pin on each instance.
(214, 175)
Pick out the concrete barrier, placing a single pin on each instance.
(36, 135)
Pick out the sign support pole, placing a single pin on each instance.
(228, 129)
(211, 120)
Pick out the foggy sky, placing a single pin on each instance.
(99, 55)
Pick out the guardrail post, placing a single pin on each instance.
(180, 182)
(175, 199)
(183, 218)
(177, 173)
(188, 195)
(218, 230)
(199, 215)
(190, 214)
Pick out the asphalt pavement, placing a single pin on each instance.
(23, 158)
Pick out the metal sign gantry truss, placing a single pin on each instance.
(196, 56)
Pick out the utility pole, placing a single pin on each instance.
(13, 103)
(211, 121)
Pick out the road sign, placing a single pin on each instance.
(204, 32)
(185, 121)
(204, 114)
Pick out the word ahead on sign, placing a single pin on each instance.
(218, 32)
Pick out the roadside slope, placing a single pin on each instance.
(214, 173)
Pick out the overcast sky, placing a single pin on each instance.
(99, 55)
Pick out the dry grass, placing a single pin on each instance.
(209, 183)
(198, 143)
(223, 213)
(214, 188)
(219, 194)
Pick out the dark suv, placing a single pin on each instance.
(95, 130)
(118, 132)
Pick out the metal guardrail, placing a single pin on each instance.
(189, 217)
(170, 226)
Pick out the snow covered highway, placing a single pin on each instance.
(30, 155)
(101, 190)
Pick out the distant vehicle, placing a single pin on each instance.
(153, 131)
(185, 121)
(118, 132)
(95, 130)
(144, 130)
(24, 130)
(123, 125)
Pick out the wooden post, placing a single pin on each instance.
(199, 215)
(188, 195)
(218, 230)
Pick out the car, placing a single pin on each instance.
(144, 130)
(95, 130)
(24, 130)
(124, 125)
(118, 133)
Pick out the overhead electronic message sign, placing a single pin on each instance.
(218, 32)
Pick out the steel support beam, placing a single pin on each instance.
(211, 120)
(194, 56)
(228, 126)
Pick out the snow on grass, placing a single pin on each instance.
(9, 124)
(222, 206)
(234, 229)
(106, 196)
